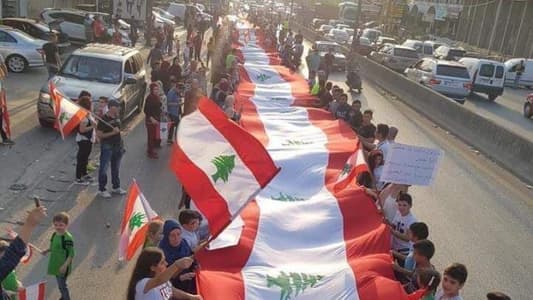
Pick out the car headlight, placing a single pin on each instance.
(44, 97)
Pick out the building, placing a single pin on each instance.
(438, 17)
(501, 26)
(32, 8)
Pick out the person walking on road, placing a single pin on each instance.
(520, 68)
(155, 56)
(111, 150)
(51, 56)
(210, 50)
(152, 111)
(174, 101)
(329, 59)
(85, 140)
(133, 31)
(197, 41)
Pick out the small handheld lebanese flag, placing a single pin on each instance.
(5, 114)
(137, 214)
(355, 165)
(68, 114)
(221, 165)
(33, 292)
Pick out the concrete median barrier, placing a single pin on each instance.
(507, 148)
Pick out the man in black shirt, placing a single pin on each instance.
(111, 151)
(367, 131)
(355, 115)
(51, 56)
(329, 59)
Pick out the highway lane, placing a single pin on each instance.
(478, 213)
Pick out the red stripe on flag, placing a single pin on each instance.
(42, 290)
(22, 295)
(249, 149)
(133, 193)
(199, 187)
(136, 242)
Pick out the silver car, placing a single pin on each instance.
(395, 57)
(115, 72)
(20, 50)
(446, 77)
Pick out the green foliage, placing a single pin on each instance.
(286, 198)
(224, 165)
(292, 284)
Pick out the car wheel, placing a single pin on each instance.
(492, 97)
(528, 110)
(45, 123)
(16, 63)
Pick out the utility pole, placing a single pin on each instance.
(498, 10)
(355, 40)
(482, 26)
(520, 29)
(506, 26)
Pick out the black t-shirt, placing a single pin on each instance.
(356, 118)
(367, 131)
(116, 139)
(50, 51)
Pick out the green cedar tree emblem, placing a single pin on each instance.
(347, 168)
(286, 198)
(224, 165)
(263, 77)
(136, 220)
(295, 143)
(63, 118)
(292, 283)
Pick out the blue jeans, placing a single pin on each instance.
(109, 154)
(63, 288)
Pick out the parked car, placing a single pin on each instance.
(448, 53)
(365, 46)
(324, 29)
(342, 26)
(396, 57)
(446, 77)
(160, 21)
(71, 22)
(415, 44)
(488, 76)
(36, 29)
(349, 31)
(323, 48)
(163, 13)
(377, 55)
(338, 36)
(528, 106)
(429, 48)
(106, 70)
(527, 76)
(180, 10)
(20, 50)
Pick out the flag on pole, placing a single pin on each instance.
(68, 114)
(355, 165)
(137, 214)
(5, 115)
(33, 292)
(221, 165)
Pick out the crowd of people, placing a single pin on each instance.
(165, 267)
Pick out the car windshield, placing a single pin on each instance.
(325, 48)
(405, 53)
(452, 71)
(92, 69)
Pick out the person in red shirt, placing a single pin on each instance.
(152, 111)
(99, 30)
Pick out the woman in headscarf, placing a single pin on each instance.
(174, 248)
(152, 110)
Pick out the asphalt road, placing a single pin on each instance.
(477, 213)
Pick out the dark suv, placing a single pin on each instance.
(106, 70)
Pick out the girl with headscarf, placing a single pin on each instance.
(152, 110)
(175, 248)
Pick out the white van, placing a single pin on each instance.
(527, 76)
(488, 76)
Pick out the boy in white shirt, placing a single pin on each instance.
(400, 224)
(452, 282)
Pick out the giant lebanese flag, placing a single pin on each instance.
(68, 114)
(302, 237)
(221, 166)
(137, 214)
(5, 114)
